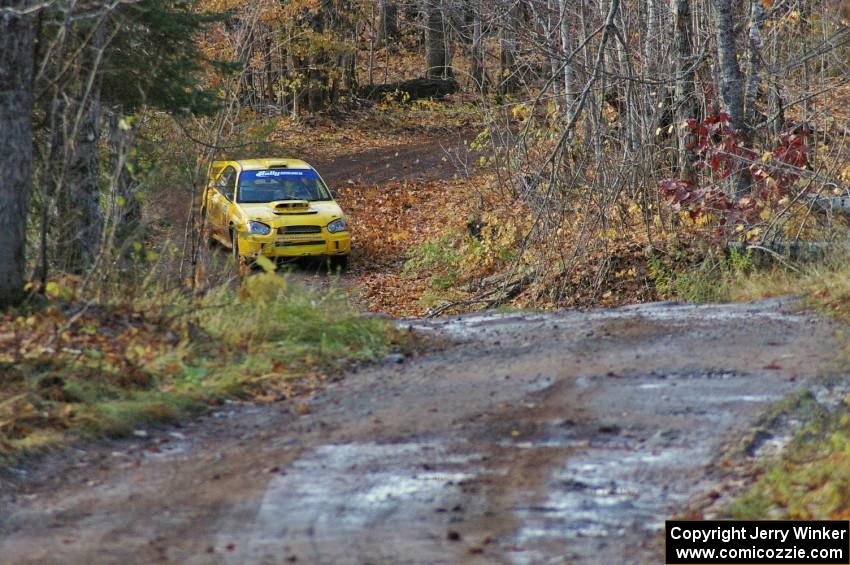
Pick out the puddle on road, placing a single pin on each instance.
(339, 502)
(653, 385)
(471, 325)
(665, 311)
(603, 495)
(622, 485)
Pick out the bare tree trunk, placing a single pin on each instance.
(54, 166)
(549, 23)
(566, 49)
(17, 48)
(268, 63)
(283, 92)
(388, 30)
(349, 66)
(508, 80)
(478, 72)
(635, 116)
(317, 76)
(804, 31)
(79, 202)
(685, 103)
(245, 52)
(297, 75)
(776, 103)
(731, 78)
(82, 217)
(370, 67)
(731, 82)
(652, 112)
(437, 58)
(121, 134)
(448, 44)
(754, 57)
(653, 37)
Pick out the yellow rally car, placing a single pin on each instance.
(280, 208)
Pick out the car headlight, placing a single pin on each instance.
(258, 228)
(337, 225)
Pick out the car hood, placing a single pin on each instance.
(317, 213)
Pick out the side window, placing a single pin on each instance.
(227, 183)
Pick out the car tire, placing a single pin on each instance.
(243, 264)
(338, 263)
(234, 246)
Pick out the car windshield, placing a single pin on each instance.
(281, 184)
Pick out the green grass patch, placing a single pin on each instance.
(437, 257)
(129, 363)
(823, 285)
(811, 479)
(682, 275)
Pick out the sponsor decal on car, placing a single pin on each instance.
(307, 173)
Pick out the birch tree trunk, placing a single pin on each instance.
(754, 56)
(731, 83)
(652, 39)
(685, 96)
(566, 49)
(655, 98)
(549, 23)
(17, 48)
(731, 78)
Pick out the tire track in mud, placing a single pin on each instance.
(538, 438)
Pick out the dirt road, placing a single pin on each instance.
(535, 438)
(432, 158)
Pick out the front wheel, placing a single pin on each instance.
(242, 262)
(338, 263)
(234, 245)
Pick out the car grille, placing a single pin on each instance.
(298, 243)
(288, 230)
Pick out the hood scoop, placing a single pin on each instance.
(292, 207)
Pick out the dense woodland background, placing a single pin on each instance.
(600, 128)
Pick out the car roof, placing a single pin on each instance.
(265, 163)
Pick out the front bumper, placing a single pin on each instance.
(313, 245)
